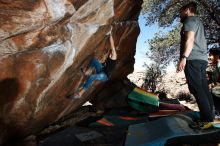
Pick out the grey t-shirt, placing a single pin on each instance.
(199, 51)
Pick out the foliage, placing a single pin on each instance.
(153, 75)
(164, 47)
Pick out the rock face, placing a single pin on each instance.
(115, 97)
(43, 45)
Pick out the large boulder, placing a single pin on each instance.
(43, 45)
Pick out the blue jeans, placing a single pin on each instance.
(99, 76)
(195, 72)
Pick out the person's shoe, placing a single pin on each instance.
(201, 125)
(74, 96)
(206, 125)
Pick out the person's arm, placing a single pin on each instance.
(187, 50)
(190, 35)
(113, 54)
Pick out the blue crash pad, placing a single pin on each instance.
(156, 133)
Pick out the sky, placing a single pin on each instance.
(147, 32)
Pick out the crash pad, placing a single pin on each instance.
(142, 100)
(109, 120)
(158, 132)
(84, 136)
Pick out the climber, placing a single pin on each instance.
(102, 73)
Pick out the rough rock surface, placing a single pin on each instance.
(43, 45)
(115, 97)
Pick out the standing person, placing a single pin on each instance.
(102, 73)
(193, 60)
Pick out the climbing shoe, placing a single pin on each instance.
(74, 96)
(206, 125)
(201, 125)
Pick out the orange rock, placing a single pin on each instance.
(43, 45)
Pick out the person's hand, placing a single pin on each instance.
(181, 65)
(211, 85)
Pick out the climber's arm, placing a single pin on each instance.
(113, 54)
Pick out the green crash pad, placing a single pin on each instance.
(144, 101)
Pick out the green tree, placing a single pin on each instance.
(153, 76)
(163, 47)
